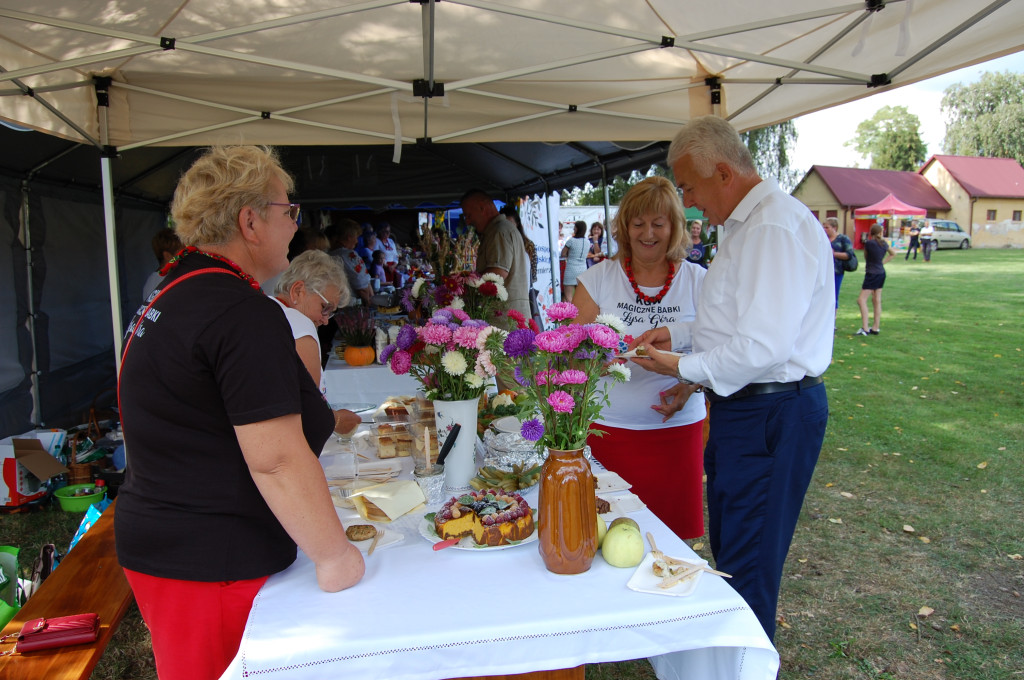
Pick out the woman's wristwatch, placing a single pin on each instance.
(700, 388)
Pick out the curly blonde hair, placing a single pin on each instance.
(651, 196)
(212, 192)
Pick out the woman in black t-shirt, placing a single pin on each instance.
(221, 424)
(876, 253)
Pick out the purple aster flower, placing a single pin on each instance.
(532, 430)
(442, 316)
(401, 362)
(406, 337)
(585, 355)
(386, 353)
(561, 401)
(520, 378)
(407, 302)
(519, 343)
(460, 315)
(561, 311)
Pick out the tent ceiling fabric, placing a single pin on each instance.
(337, 72)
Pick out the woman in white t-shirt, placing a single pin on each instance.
(649, 283)
(310, 291)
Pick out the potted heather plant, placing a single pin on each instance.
(357, 329)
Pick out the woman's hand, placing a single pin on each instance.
(658, 337)
(345, 421)
(658, 362)
(341, 572)
(673, 399)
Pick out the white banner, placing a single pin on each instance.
(540, 222)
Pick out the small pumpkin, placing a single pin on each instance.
(359, 356)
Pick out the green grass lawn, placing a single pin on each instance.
(906, 562)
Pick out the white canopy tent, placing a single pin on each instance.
(121, 75)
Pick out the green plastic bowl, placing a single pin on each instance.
(69, 502)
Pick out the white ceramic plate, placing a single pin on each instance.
(427, 531)
(508, 424)
(632, 353)
(643, 579)
(611, 481)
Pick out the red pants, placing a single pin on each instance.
(665, 467)
(196, 626)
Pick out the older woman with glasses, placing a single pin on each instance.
(310, 291)
(222, 423)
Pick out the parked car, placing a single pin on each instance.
(948, 234)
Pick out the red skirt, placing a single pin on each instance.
(665, 467)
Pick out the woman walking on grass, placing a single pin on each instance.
(876, 253)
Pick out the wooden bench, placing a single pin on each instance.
(89, 579)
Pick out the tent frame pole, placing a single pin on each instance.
(30, 319)
(109, 224)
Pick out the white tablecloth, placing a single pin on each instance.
(364, 384)
(424, 615)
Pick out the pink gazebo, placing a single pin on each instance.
(888, 208)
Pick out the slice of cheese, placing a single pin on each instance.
(393, 499)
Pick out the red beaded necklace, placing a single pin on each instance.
(188, 250)
(643, 297)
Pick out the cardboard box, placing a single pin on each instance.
(26, 462)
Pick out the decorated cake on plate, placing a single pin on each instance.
(490, 517)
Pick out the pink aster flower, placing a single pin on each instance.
(552, 341)
(465, 336)
(401, 361)
(571, 377)
(574, 334)
(603, 336)
(484, 365)
(560, 311)
(481, 338)
(435, 334)
(561, 402)
(544, 377)
(460, 315)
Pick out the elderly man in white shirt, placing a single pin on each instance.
(761, 340)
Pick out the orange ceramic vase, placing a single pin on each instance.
(567, 512)
(359, 356)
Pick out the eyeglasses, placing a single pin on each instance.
(293, 210)
(328, 308)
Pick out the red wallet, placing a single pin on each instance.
(58, 632)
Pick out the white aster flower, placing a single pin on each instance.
(473, 380)
(458, 303)
(612, 321)
(491, 276)
(417, 287)
(454, 363)
(619, 372)
(502, 291)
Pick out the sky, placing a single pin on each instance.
(821, 135)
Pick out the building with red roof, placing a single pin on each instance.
(986, 196)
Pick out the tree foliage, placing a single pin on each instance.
(986, 118)
(892, 139)
(770, 146)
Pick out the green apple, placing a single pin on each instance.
(623, 546)
(602, 529)
(627, 521)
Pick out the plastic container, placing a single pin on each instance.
(69, 502)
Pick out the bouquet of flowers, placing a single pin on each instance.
(447, 355)
(560, 370)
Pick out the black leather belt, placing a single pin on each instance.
(766, 388)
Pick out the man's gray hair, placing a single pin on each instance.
(318, 270)
(710, 140)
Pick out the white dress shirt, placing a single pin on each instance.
(766, 308)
